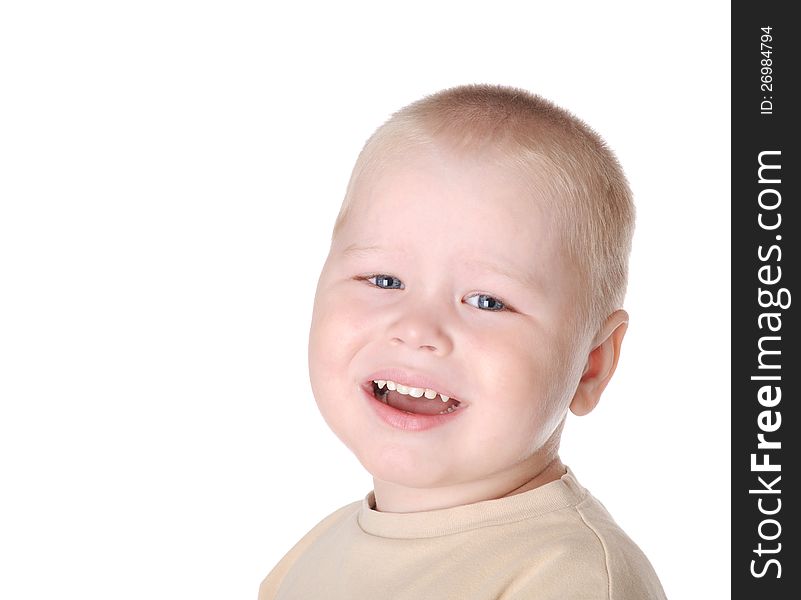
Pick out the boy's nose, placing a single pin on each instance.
(420, 331)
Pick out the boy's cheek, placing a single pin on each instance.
(352, 313)
(338, 330)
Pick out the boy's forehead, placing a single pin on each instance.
(478, 197)
(477, 215)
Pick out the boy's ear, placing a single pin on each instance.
(601, 363)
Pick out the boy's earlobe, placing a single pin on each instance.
(601, 363)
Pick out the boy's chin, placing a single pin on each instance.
(408, 473)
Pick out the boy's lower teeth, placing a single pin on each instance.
(418, 406)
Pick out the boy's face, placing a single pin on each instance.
(449, 238)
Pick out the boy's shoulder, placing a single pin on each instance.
(553, 542)
(269, 586)
(597, 554)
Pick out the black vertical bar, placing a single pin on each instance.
(765, 270)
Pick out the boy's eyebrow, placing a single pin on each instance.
(357, 249)
(521, 277)
(527, 279)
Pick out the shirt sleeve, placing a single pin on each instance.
(270, 585)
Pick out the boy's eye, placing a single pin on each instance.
(485, 302)
(481, 301)
(387, 282)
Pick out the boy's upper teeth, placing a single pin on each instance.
(414, 392)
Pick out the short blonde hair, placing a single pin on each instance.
(588, 190)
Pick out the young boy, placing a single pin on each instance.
(470, 298)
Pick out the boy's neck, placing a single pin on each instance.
(393, 498)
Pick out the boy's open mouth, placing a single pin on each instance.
(413, 400)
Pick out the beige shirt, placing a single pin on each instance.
(552, 542)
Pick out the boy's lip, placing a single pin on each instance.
(407, 421)
(418, 380)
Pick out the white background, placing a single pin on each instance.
(169, 174)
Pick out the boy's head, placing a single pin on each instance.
(481, 253)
